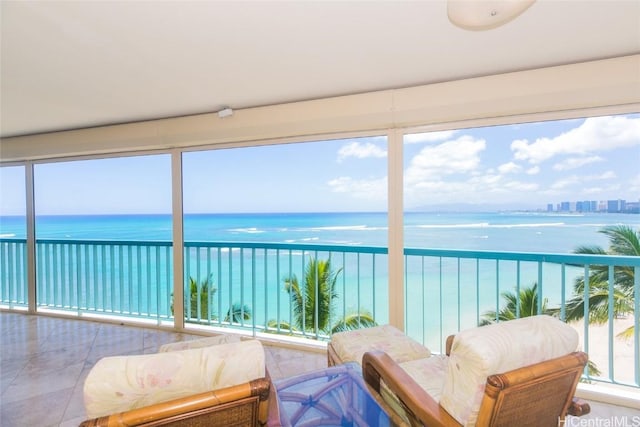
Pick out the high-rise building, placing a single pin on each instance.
(614, 206)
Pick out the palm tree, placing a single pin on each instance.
(313, 301)
(527, 300)
(623, 240)
(238, 313)
(200, 293)
(528, 303)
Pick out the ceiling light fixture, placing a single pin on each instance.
(484, 14)
(225, 112)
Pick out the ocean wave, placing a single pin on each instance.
(344, 242)
(340, 227)
(4, 236)
(249, 230)
(345, 228)
(475, 225)
(227, 250)
(304, 239)
(488, 225)
(532, 225)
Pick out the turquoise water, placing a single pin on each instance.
(529, 232)
(426, 287)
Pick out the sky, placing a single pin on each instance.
(523, 166)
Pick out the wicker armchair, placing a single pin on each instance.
(241, 405)
(222, 385)
(480, 381)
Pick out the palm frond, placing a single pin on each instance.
(627, 334)
(622, 240)
(351, 321)
(523, 305)
(238, 313)
(273, 326)
(313, 301)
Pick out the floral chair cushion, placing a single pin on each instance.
(121, 383)
(199, 343)
(480, 352)
(428, 373)
(351, 345)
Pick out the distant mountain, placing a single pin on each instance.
(474, 207)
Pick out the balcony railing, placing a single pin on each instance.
(242, 285)
(450, 290)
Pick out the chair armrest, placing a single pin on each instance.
(578, 407)
(200, 404)
(273, 407)
(449, 344)
(378, 366)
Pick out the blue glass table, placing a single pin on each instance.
(331, 397)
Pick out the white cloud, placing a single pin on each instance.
(603, 176)
(498, 183)
(485, 179)
(477, 189)
(581, 179)
(438, 191)
(593, 135)
(604, 191)
(565, 182)
(418, 138)
(509, 168)
(576, 162)
(360, 151)
(458, 156)
(370, 189)
(634, 184)
(521, 187)
(533, 171)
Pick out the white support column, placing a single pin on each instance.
(31, 238)
(396, 228)
(178, 239)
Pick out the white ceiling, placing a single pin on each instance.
(74, 64)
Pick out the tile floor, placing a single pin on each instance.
(44, 361)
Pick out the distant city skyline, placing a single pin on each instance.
(609, 205)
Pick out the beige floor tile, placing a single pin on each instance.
(34, 383)
(45, 409)
(44, 362)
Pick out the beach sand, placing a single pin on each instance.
(623, 368)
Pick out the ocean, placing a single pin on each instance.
(493, 231)
(429, 286)
(441, 296)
